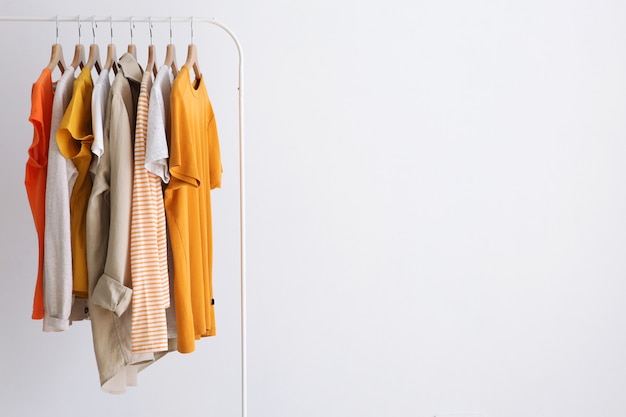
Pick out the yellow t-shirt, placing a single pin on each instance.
(74, 138)
(195, 169)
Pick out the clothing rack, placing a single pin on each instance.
(242, 189)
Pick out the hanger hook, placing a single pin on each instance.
(111, 26)
(192, 30)
(132, 27)
(79, 31)
(57, 37)
(150, 22)
(94, 25)
(170, 29)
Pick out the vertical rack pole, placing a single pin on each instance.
(242, 240)
(242, 227)
(242, 249)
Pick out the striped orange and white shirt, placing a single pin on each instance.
(148, 244)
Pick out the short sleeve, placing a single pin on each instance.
(157, 152)
(215, 160)
(183, 166)
(75, 125)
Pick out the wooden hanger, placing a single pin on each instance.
(79, 51)
(132, 49)
(151, 65)
(170, 54)
(192, 58)
(94, 50)
(192, 61)
(170, 58)
(56, 58)
(79, 57)
(111, 61)
(94, 58)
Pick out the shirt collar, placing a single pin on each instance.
(130, 68)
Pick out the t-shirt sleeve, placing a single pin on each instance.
(183, 166)
(76, 122)
(157, 152)
(35, 155)
(98, 107)
(215, 160)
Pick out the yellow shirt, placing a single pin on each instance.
(195, 169)
(74, 138)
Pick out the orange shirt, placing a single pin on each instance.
(74, 138)
(42, 95)
(148, 264)
(195, 169)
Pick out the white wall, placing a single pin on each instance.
(436, 213)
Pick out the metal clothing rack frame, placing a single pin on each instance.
(242, 188)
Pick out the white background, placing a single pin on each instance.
(436, 212)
